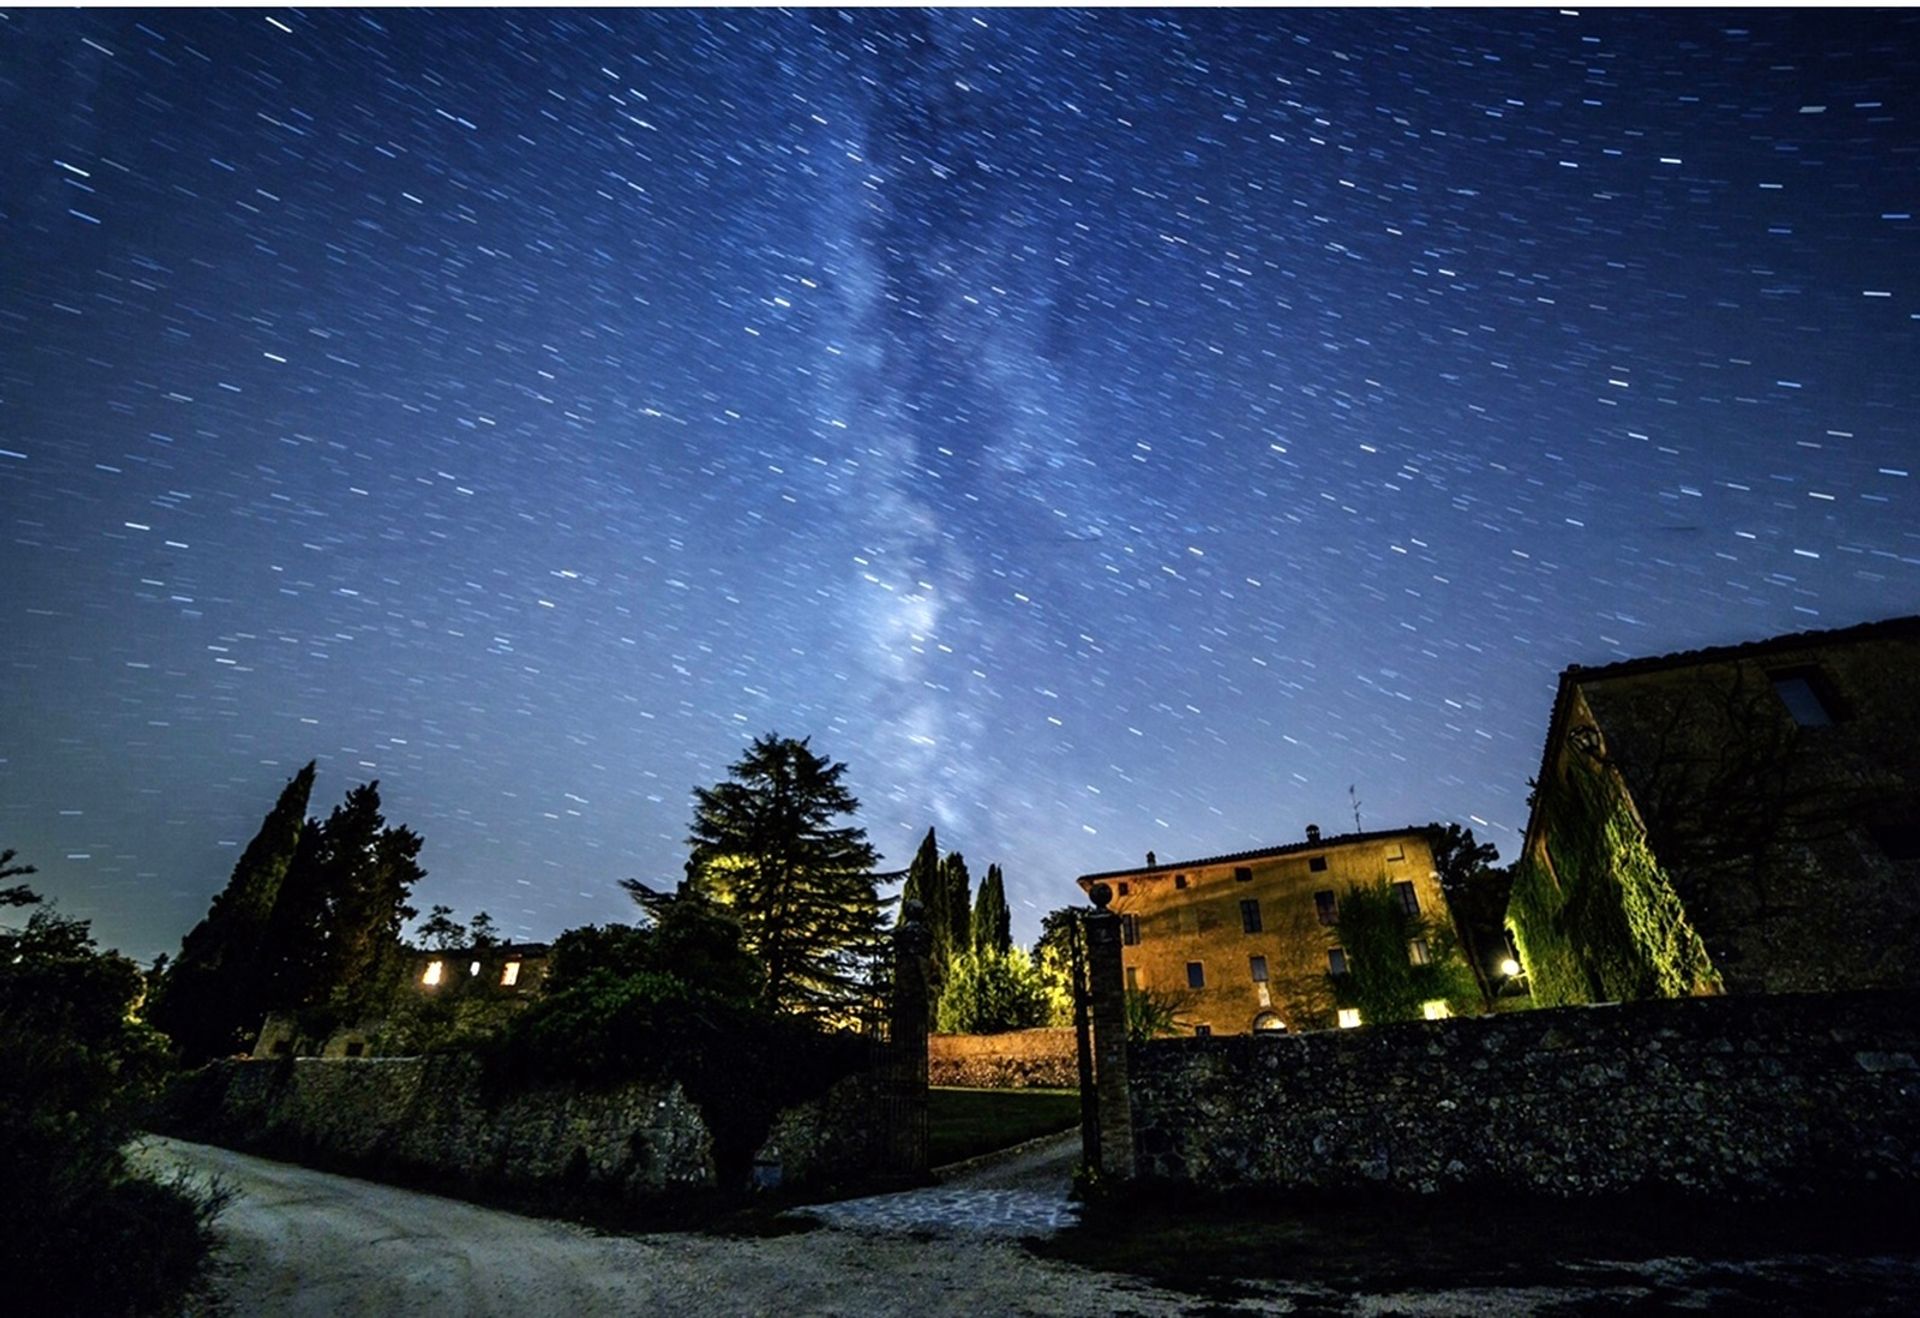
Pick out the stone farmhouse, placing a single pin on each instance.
(472, 988)
(1739, 819)
(1251, 937)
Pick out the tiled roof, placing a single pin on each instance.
(1258, 853)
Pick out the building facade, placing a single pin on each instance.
(1738, 819)
(1250, 940)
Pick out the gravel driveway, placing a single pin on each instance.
(307, 1244)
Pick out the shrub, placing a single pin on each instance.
(79, 1232)
(1382, 979)
(987, 992)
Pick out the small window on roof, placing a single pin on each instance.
(1801, 691)
(1179, 880)
(1243, 874)
(1318, 864)
(1123, 889)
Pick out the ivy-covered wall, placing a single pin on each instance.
(1593, 914)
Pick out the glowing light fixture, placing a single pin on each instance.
(1436, 1010)
(434, 970)
(1349, 1017)
(473, 970)
(510, 975)
(1509, 967)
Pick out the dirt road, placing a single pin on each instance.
(306, 1244)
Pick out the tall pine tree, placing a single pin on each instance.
(766, 845)
(211, 1000)
(992, 920)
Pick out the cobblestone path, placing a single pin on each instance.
(1018, 1197)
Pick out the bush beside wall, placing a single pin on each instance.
(1015, 1059)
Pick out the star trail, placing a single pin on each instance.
(1103, 430)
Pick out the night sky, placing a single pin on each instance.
(1102, 430)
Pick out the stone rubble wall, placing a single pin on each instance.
(434, 1115)
(1731, 1096)
(1016, 1059)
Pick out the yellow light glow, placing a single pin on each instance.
(1349, 1017)
(1509, 967)
(1436, 1011)
(434, 970)
(473, 970)
(511, 975)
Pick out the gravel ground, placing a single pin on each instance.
(304, 1243)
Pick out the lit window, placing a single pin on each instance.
(473, 970)
(1349, 1017)
(1258, 966)
(1196, 975)
(1336, 961)
(1436, 1010)
(1409, 899)
(1133, 977)
(510, 975)
(434, 970)
(1250, 916)
(1268, 1023)
(1417, 952)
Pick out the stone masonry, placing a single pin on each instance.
(1728, 1096)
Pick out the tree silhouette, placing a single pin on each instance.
(766, 846)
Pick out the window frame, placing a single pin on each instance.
(1196, 974)
(1250, 921)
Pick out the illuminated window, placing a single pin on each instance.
(1349, 1017)
(1257, 966)
(1409, 899)
(1133, 977)
(510, 974)
(1336, 961)
(473, 971)
(1436, 1010)
(1196, 975)
(1269, 1023)
(1417, 952)
(1317, 864)
(435, 969)
(1250, 916)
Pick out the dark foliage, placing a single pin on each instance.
(767, 848)
(992, 920)
(78, 1232)
(1382, 980)
(211, 1000)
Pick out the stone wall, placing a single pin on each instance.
(1017, 1059)
(1730, 1096)
(435, 1117)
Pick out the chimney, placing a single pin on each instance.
(1150, 860)
(1313, 832)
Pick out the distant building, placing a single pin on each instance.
(1250, 937)
(1737, 819)
(440, 993)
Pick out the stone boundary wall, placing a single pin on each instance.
(1017, 1059)
(1729, 1096)
(432, 1116)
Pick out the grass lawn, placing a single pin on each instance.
(965, 1122)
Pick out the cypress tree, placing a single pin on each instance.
(992, 920)
(924, 885)
(959, 894)
(211, 1000)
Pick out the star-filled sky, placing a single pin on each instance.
(1102, 430)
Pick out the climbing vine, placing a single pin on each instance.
(1597, 920)
(1382, 979)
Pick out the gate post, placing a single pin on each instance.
(906, 1152)
(1107, 987)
